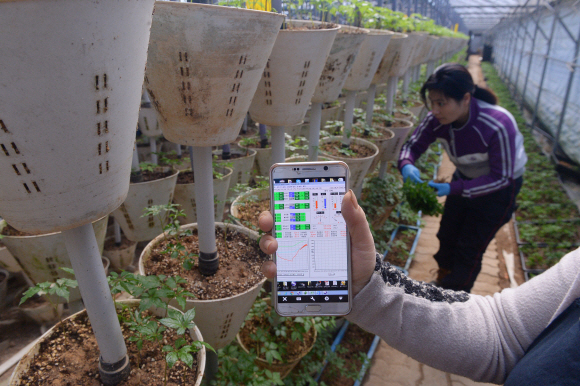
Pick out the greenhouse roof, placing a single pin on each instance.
(482, 15)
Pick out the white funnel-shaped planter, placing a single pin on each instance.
(41, 256)
(241, 166)
(218, 320)
(203, 66)
(393, 148)
(368, 60)
(185, 197)
(68, 117)
(291, 75)
(141, 196)
(392, 55)
(424, 49)
(342, 57)
(148, 122)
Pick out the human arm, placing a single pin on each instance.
(482, 337)
(418, 142)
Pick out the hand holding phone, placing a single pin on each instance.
(313, 256)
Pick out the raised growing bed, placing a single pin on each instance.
(402, 246)
(537, 259)
(343, 367)
(548, 232)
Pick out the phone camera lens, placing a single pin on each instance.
(326, 168)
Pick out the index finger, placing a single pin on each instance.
(265, 221)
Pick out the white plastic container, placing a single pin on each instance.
(241, 167)
(218, 320)
(8, 262)
(391, 56)
(262, 160)
(421, 49)
(368, 60)
(358, 166)
(342, 57)
(402, 61)
(42, 313)
(291, 76)
(41, 256)
(143, 195)
(393, 147)
(382, 144)
(203, 66)
(26, 361)
(185, 197)
(120, 258)
(148, 122)
(255, 195)
(71, 81)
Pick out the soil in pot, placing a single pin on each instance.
(356, 151)
(10, 231)
(240, 263)
(111, 245)
(151, 175)
(344, 368)
(400, 247)
(249, 212)
(70, 357)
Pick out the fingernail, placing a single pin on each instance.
(268, 245)
(353, 199)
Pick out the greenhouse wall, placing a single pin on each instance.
(537, 55)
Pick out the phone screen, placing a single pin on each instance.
(312, 259)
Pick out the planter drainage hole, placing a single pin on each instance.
(51, 264)
(3, 127)
(126, 216)
(4, 149)
(151, 218)
(243, 59)
(16, 169)
(226, 326)
(182, 57)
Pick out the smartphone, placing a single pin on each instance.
(313, 257)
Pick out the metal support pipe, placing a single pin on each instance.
(391, 92)
(543, 74)
(153, 147)
(83, 251)
(117, 231)
(245, 124)
(278, 145)
(568, 89)
(178, 150)
(314, 131)
(529, 63)
(371, 92)
(135, 160)
(406, 82)
(430, 68)
(201, 157)
(263, 135)
(348, 116)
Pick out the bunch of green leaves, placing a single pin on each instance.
(421, 197)
(169, 215)
(147, 167)
(170, 158)
(293, 145)
(379, 193)
(345, 151)
(552, 232)
(237, 367)
(332, 128)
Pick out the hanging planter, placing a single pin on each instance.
(263, 157)
(259, 323)
(7, 261)
(247, 207)
(143, 195)
(223, 300)
(368, 59)
(292, 74)
(41, 256)
(45, 354)
(39, 310)
(381, 137)
(395, 55)
(185, 193)
(201, 79)
(393, 147)
(359, 158)
(148, 122)
(242, 161)
(120, 256)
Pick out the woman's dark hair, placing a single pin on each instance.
(454, 81)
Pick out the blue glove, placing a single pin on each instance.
(442, 189)
(410, 171)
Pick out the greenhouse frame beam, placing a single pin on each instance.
(537, 22)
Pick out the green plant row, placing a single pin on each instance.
(541, 197)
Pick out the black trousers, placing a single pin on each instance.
(467, 227)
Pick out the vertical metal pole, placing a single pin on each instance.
(117, 231)
(135, 160)
(85, 258)
(530, 62)
(371, 92)
(201, 158)
(568, 89)
(543, 73)
(348, 116)
(153, 147)
(178, 150)
(406, 81)
(516, 39)
(314, 131)
(278, 142)
(391, 92)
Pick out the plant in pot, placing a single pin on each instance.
(278, 342)
(290, 78)
(158, 345)
(262, 149)
(201, 84)
(247, 207)
(241, 161)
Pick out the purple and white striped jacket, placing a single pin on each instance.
(488, 149)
